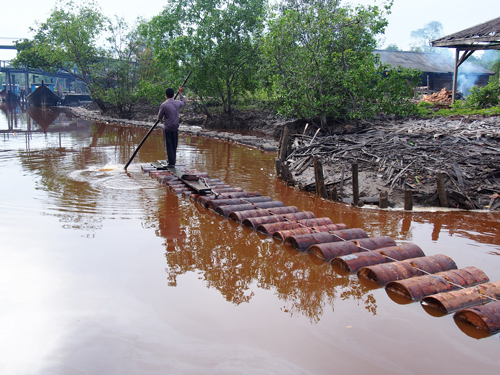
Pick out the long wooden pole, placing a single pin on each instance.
(153, 127)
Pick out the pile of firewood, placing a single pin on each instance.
(442, 97)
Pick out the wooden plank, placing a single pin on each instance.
(200, 187)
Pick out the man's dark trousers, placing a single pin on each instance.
(171, 139)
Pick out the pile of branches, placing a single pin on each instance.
(408, 156)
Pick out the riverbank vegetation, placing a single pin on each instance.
(312, 60)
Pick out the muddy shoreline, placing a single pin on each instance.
(393, 155)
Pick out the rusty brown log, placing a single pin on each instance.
(330, 250)
(214, 203)
(303, 241)
(422, 286)
(242, 215)
(282, 235)
(226, 210)
(227, 190)
(254, 222)
(180, 190)
(271, 228)
(230, 195)
(374, 243)
(384, 273)
(463, 298)
(355, 261)
(485, 317)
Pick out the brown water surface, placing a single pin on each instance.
(107, 272)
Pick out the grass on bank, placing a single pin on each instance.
(430, 110)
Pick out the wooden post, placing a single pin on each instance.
(355, 184)
(334, 194)
(441, 190)
(320, 181)
(455, 72)
(384, 199)
(286, 175)
(408, 200)
(283, 149)
(341, 187)
(277, 161)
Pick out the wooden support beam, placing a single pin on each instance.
(384, 199)
(441, 190)
(408, 200)
(283, 148)
(355, 184)
(320, 180)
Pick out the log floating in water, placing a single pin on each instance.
(422, 286)
(303, 241)
(240, 216)
(271, 228)
(459, 299)
(226, 210)
(354, 262)
(485, 317)
(384, 273)
(254, 222)
(282, 235)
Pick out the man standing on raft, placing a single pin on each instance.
(169, 110)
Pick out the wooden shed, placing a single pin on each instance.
(437, 69)
(482, 37)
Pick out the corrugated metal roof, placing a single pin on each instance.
(428, 62)
(484, 30)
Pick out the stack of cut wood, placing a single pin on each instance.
(444, 97)
(408, 156)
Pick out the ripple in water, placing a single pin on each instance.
(113, 176)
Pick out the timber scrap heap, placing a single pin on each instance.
(396, 156)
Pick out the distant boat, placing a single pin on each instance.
(42, 97)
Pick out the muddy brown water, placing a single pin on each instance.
(106, 272)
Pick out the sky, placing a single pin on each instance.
(407, 16)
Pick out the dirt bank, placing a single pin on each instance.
(392, 154)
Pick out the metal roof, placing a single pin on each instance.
(428, 62)
(483, 36)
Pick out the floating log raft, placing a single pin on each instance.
(405, 269)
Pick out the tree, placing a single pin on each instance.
(422, 37)
(117, 83)
(392, 47)
(320, 57)
(67, 41)
(217, 39)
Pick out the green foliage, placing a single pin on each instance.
(217, 39)
(68, 41)
(319, 57)
(484, 97)
(71, 40)
(393, 47)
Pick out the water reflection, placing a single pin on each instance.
(235, 260)
(229, 258)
